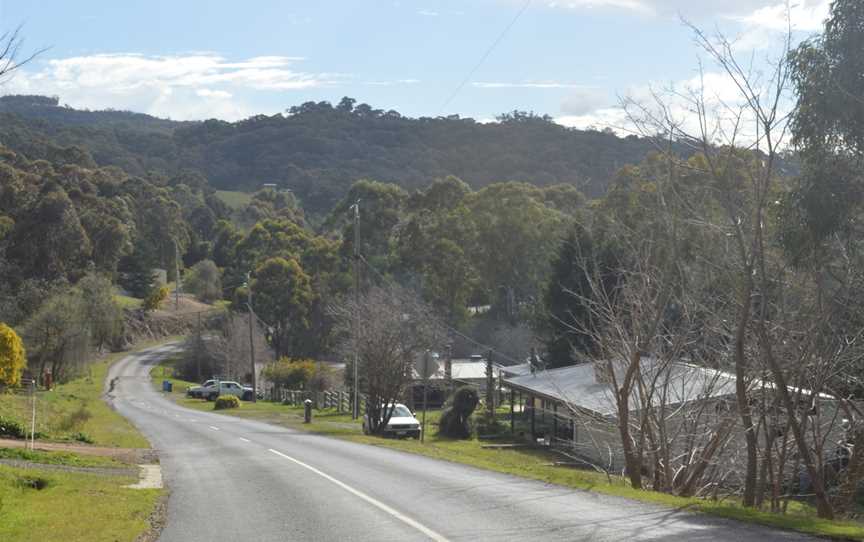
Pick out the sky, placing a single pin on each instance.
(570, 59)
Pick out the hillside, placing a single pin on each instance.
(318, 150)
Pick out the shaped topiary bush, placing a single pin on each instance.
(226, 401)
(454, 421)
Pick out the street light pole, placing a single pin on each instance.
(251, 336)
(355, 413)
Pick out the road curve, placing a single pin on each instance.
(235, 479)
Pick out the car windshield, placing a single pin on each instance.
(401, 411)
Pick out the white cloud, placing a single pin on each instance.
(584, 100)
(392, 83)
(427, 13)
(806, 14)
(640, 6)
(525, 84)
(208, 93)
(607, 117)
(190, 86)
(803, 15)
(722, 100)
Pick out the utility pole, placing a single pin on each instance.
(490, 385)
(251, 336)
(427, 368)
(356, 410)
(176, 276)
(198, 349)
(33, 416)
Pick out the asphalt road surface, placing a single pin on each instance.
(240, 480)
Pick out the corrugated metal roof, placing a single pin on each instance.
(463, 370)
(578, 386)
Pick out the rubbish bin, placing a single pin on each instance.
(167, 386)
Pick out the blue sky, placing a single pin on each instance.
(227, 59)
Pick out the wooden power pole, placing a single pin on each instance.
(251, 336)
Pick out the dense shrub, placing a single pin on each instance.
(155, 298)
(287, 373)
(455, 419)
(489, 425)
(11, 428)
(12, 356)
(83, 437)
(203, 281)
(226, 401)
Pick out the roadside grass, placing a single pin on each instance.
(234, 199)
(536, 464)
(75, 410)
(72, 507)
(60, 458)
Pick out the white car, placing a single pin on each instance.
(402, 423)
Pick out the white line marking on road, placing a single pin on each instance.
(213, 428)
(193, 420)
(245, 439)
(395, 513)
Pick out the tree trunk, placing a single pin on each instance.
(750, 437)
(714, 444)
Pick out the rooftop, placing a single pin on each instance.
(577, 385)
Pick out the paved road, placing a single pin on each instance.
(233, 479)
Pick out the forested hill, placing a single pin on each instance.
(319, 150)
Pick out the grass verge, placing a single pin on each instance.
(75, 411)
(60, 458)
(50, 505)
(536, 464)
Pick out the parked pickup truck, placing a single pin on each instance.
(200, 392)
(211, 389)
(228, 387)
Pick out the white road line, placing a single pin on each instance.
(213, 428)
(245, 439)
(378, 504)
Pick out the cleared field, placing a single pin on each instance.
(233, 199)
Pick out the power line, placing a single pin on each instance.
(486, 55)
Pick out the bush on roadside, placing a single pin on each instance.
(455, 419)
(490, 426)
(226, 401)
(292, 374)
(83, 437)
(11, 428)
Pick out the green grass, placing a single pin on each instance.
(72, 507)
(535, 464)
(60, 458)
(77, 407)
(235, 200)
(127, 302)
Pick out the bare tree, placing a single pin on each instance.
(11, 55)
(738, 146)
(395, 327)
